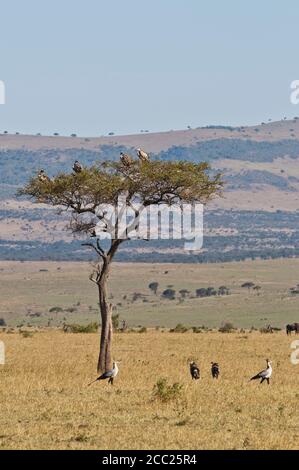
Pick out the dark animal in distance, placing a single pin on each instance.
(215, 371)
(293, 327)
(194, 371)
(264, 374)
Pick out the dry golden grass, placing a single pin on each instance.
(45, 403)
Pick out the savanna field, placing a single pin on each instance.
(46, 404)
(45, 400)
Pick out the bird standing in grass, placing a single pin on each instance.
(215, 371)
(194, 371)
(264, 374)
(110, 375)
(77, 168)
(142, 155)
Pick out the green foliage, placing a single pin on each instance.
(206, 292)
(143, 329)
(165, 393)
(115, 321)
(184, 293)
(75, 328)
(153, 286)
(81, 438)
(180, 328)
(26, 334)
(55, 310)
(147, 183)
(136, 296)
(71, 309)
(196, 329)
(223, 290)
(227, 328)
(169, 294)
(248, 285)
(211, 291)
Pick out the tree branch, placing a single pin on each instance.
(103, 253)
(97, 248)
(92, 279)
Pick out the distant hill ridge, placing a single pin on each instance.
(17, 165)
(260, 167)
(158, 141)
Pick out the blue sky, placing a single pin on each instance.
(96, 66)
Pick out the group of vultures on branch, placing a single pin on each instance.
(126, 160)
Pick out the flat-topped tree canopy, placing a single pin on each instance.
(143, 183)
(153, 182)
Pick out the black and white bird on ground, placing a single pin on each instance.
(142, 155)
(126, 159)
(42, 176)
(77, 168)
(215, 371)
(110, 374)
(264, 374)
(194, 371)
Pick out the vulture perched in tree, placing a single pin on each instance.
(264, 374)
(43, 177)
(77, 168)
(142, 155)
(194, 371)
(126, 159)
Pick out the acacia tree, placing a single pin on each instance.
(86, 194)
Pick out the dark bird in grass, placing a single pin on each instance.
(194, 371)
(110, 375)
(142, 155)
(77, 168)
(264, 374)
(215, 371)
(43, 177)
(293, 327)
(126, 159)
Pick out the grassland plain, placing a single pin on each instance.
(31, 288)
(46, 404)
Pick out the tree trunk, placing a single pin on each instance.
(105, 360)
(105, 356)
